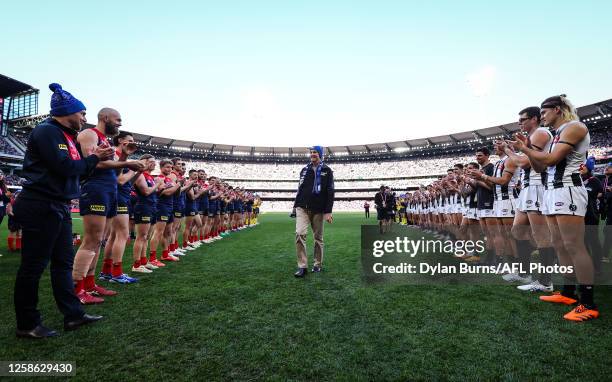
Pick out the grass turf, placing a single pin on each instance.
(233, 310)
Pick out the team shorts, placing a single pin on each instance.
(472, 214)
(123, 204)
(568, 200)
(143, 215)
(531, 198)
(164, 215)
(485, 213)
(503, 208)
(190, 210)
(98, 200)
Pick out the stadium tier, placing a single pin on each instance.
(359, 170)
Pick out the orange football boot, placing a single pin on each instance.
(582, 313)
(558, 298)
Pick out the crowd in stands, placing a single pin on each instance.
(7, 148)
(23, 139)
(361, 170)
(13, 180)
(286, 206)
(340, 184)
(601, 144)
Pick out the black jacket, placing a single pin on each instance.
(49, 170)
(324, 201)
(389, 200)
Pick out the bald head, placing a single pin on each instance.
(107, 113)
(110, 120)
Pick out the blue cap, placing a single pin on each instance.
(63, 103)
(318, 149)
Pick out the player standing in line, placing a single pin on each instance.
(97, 203)
(565, 201)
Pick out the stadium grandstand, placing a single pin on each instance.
(18, 100)
(272, 172)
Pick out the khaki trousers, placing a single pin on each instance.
(304, 218)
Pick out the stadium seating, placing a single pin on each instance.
(7, 148)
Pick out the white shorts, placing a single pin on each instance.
(459, 209)
(568, 200)
(503, 208)
(531, 198)
(472, 214)
(485, 213)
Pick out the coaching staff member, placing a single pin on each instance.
(313, 204)
(52, 167)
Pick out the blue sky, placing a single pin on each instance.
(276, 73)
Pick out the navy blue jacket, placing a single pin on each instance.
(305, 198)
(49, 170)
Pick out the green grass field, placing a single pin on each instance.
(233, 311)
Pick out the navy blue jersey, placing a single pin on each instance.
(146, 200)
(102, 176)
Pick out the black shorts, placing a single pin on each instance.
(382, 214)
(13, 225)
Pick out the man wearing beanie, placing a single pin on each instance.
(313, 205)
(52, 167)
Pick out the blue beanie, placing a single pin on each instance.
(63, 103)
(318, 149)
(590, 164)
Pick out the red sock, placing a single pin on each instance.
(79, 286)
(153, 256)
(117, 269)
(176, 244)
(90, 283)
(143, 260)
(18, 243)
(10, 241)
(201, 237)
(184, 243)
(165, 254)
(136, 264)
(107, 266)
